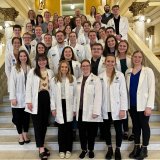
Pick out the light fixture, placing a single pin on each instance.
(148, 20)
(1, 28)
(147, 38)
(72, 6)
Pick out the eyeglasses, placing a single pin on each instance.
(27, 37)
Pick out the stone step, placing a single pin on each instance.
(33, 154)
(11, 143)
(8, 129)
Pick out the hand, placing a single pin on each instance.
(54, 113)
(29, 105)
(14, 102)
(74, 114)
(94, 116)
(147, 111)
(122, 114)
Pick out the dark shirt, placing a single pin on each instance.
(123, 65)
(105, 19)
(116, 22)
(71, 67)
(82, 92)
(94, 66)
(28, 48)
(134, 80)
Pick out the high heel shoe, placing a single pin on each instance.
(47, 151)
(43, 156)
(21, 142)
(27, 141)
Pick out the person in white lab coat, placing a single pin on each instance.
(38, 101)
(114, 104)
(123, 62)
(18, 80)
(110, 47)
(79, 50)
(63, 100)
(119, 23)
(88, 108)
(11, 57)
(68, 55)
(141, 91)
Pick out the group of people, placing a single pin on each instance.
(79, 70)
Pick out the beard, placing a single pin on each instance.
(107, 11)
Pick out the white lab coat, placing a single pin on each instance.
(81, 31)
(76, 69)
(79, 52)
(101, 66)
(88, 51)
(53, 58)
(17, 87)
(82, 40)
(146, 88)
(118, 64)
(92, 98)
(123, 26)
(118, 95)
(56, 101)
(32, 89)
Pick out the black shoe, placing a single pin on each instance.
(43, 156)
(117, 154)
(47, 151)
(135, 151)
(21, 142)
(109, 153)
(131, 137)
(91, 154)
(83, 154)
(27, 141)
(143, 153)
(125, 136)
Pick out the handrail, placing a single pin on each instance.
(152, 61)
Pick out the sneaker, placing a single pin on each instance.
(91, 154)
(62, 155)
(68, 154)
(83, 154)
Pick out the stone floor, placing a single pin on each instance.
(99, 155)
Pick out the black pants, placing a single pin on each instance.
(125, 123)
(118, 129)
(21, 119)
(40, 120)
(65, 135)
(140, 123)
(87, 133)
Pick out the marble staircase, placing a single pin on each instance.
(9, 138)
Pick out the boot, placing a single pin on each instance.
(109, 153)
(143, 153)
(135, 151)
(117, 154)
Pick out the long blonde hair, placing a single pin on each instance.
(114, 71)
(58, 77)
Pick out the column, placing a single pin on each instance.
(137, 9)
(9, 20)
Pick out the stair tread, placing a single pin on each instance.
(53, 139)
(28, 155)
